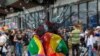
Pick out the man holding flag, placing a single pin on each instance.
(52, 44)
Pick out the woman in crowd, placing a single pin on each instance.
(90, 43)
(26, 40)
(18, 39)
(11, 43)
(97, 35)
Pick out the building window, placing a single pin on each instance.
(92, 12)
(28, 21)
(41, 17)
(51, 14)
(59, 16)
(15, 21)
(33, 21)
(36, 18)
(60, 10)
(66, 14)
(75, 16)
(54, 14)
(83, 14)
(33, 17)
(99, 10)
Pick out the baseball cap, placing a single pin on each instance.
(98, 27)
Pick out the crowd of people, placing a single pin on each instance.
(14, 42)
(88, 39)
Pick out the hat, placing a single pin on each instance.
(98, 27)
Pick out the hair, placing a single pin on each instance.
(8, 32)
(19, 31)
(40, 31)
(76, 25)
(91, 31)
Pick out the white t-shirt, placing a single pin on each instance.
(82, 34)
(91, 40)
(3, 38)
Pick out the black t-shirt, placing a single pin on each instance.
(11, 38)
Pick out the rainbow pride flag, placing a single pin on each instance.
(54, 45)
(35, 47)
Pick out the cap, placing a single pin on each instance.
(98, 27)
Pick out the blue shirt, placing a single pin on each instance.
(97, 34)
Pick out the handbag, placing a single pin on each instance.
(4, 49)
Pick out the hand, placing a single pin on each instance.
(93, 49)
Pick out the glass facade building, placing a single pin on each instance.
(88, 13)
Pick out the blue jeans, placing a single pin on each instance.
(29, 53)
(91, 52)
(3, 54)
(18, 48)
